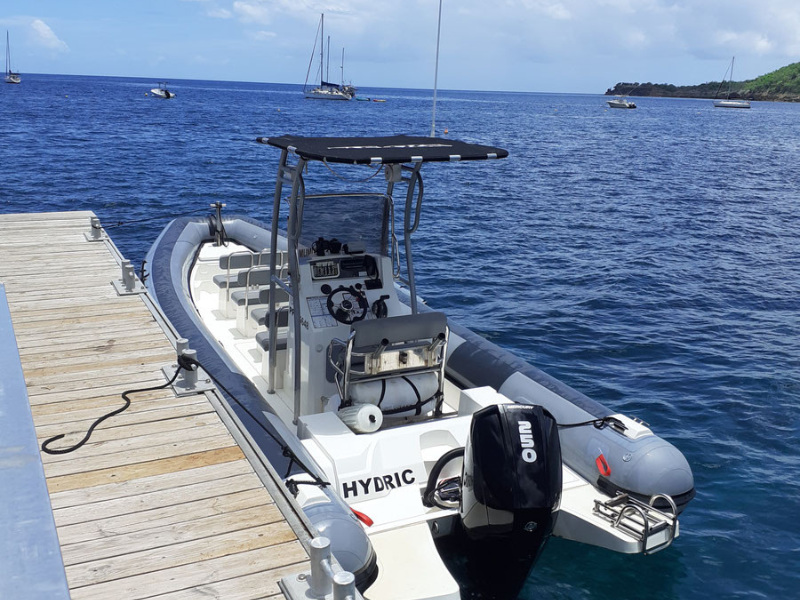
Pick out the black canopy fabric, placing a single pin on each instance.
(386, 150)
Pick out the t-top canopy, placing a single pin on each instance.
(387, 150)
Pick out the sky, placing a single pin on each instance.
(566, 46)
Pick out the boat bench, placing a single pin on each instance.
(237, 267)
(237, 284)
(243, 302)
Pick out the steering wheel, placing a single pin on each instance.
(348, 310)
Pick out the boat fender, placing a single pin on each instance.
(353, 550)
(362, 418)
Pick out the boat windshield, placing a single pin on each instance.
(347, 218)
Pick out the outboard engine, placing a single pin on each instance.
(511, 488)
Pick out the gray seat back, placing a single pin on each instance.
(398, 330)
(383, 349)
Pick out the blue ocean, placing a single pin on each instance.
(649, 258)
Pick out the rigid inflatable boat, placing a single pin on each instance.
(399, 432)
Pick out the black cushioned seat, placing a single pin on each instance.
(262, 339)
(262, 314)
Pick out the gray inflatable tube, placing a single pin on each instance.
(168, 264)
(640, 467)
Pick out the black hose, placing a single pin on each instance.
(187, 363)
(92, 427)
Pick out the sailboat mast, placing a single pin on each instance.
(328, 72)
(8, 55)
(436, 72)
(730, 81)
(342, 66)
(322, 49)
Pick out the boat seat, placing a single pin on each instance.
(262, 339)
(257, 297)
(253, 277)
(238, 261)
(396, 363)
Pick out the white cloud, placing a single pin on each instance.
(252, 12)
(219, 13)
(264, 35)
(44, 36)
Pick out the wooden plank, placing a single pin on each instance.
(91, 464)
(102, 312)
(83, 364)
(91, 386)
(139, 401)
(119, 423)
(49, 217)
(59, 342)
(182, 512)
(33, 341)
(134, 444)
(201, 416)
(168, 535)
(176, 555)
(188, 576)
(101, 350)
(74, 306)
(135, 471)
(146, 485)
(256, 586)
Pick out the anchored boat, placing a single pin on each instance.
(161, 91)
(400, 433)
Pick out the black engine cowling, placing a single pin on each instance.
(511, 488)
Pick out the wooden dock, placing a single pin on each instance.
(163, 501)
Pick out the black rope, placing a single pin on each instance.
(598, 423)
(92, 427)
(137, 221)
(188, 363)
(142, 275)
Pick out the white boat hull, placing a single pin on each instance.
(620, 104)
(322, 94)
(165, 94)
(732, 103)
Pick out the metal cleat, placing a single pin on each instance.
(190, 381)
(96, 233)
(129, 284)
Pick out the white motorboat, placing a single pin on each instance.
(11, 77)
(727, 102)
(398, 431)
(620, 102)
(325, 90)
(161, 91)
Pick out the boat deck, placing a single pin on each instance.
(165, 500)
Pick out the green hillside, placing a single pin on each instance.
(781, 85)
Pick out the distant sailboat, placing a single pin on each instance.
(728, 103)
(11, 77)
(347, 88)
(325, 90)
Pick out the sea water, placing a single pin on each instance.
(649, 258)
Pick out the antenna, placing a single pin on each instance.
(436, 71)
